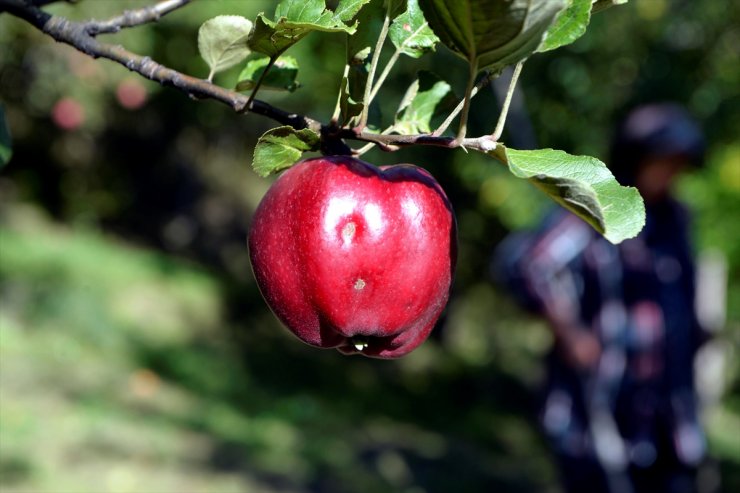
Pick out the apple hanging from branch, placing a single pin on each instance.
(354, 257)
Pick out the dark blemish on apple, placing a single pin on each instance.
(359, 284)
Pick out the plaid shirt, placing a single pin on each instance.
(638, 299)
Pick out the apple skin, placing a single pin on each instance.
(355, 257)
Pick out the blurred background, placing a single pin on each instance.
(136, 353)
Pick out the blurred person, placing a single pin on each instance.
(620, 407)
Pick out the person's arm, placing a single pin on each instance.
(577, 344)
(552, 282)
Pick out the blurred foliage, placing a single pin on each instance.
(155, 364)
(119, 372)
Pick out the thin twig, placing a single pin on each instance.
(374, 66)
(362, 150)
(393, 142)
(76, 35)
(257, 85)
(507, 102)
(132, 18)
(483, 82)
(383, 75)
(392, 61)
(466, 105)
(338, 106)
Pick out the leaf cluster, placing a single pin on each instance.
(489, 35)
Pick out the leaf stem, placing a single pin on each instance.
(384, 75)
(480, 85)
(462, 129)
(338, 107)
(269, 65)
(507, 102)
(374, 66)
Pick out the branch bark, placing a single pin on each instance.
(83, 37)
(132, 18)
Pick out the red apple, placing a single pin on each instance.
(355, 257)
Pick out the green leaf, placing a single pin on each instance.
(491, 33)
(294, 20)
(222, 41)
(281, 147)
(569, 25)
(281, 76)
(410, 32)
(423, 100)
(6, 144)
(583, 185)
(599, 5)
(347, 9)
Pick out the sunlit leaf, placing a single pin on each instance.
(569, 25)
(281, 76)
(294, 19)
(421, 103)
(347, 9)
(491, 33)
(581, 184)
(282, 147)
(599, 5)
(410, 32)
(222, 41)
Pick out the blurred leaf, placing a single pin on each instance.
(222, 41)
(410, 32)
(295, 19)
(281, 147)
(281, 76)
(599, 5)
(570, 25)
(6, 144)
(491, 33)
(420, 104)
(583, 185)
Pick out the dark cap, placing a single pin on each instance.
(655, 130)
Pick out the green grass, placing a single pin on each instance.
(125, 370)
(120, 371)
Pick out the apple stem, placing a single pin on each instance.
(507, 102)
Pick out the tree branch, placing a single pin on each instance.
(81, 35)
(132, 18)
(391, 142)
